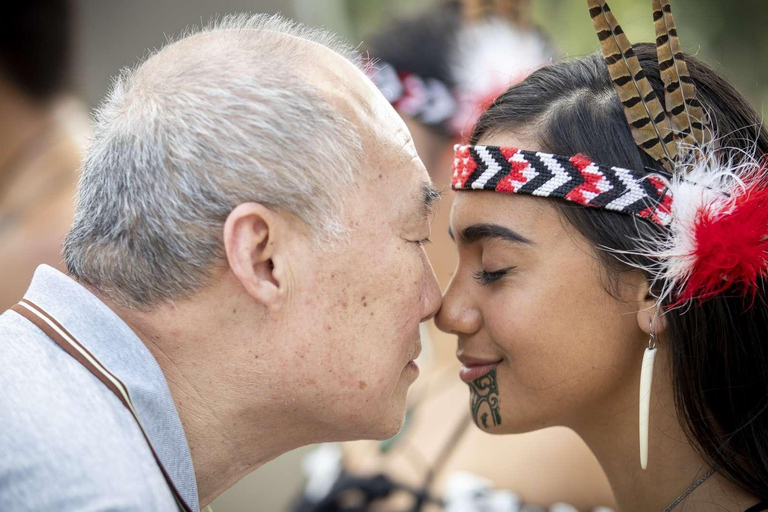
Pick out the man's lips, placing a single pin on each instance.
(416, 353)
(473, 368)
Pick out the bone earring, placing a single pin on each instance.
(646, 379)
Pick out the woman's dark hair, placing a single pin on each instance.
(719, 349)
(35, 45)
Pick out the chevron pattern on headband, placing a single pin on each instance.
(575, 178)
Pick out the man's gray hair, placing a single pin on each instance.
(185, 137)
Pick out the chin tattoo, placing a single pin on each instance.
(484, 400)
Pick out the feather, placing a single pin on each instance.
(645, 115)
(492, 55)
(685, 112)
(476, 9)
(717, 239)
(731, 246)
(516, 11)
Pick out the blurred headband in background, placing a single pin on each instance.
(494, 46)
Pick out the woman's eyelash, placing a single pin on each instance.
(425, 241)
(485, 278)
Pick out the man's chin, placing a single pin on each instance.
(389, 429)
(382, 424)
(411, 371)
(391, 423)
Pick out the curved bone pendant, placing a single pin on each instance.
(646, 379)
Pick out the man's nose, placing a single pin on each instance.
(458, 313)
(432, 294)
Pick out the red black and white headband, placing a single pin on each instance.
(713, 208)
(576, 178)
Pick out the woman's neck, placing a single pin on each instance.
(673, 464)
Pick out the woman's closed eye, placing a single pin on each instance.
(485, 277)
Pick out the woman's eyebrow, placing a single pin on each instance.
(479, 232)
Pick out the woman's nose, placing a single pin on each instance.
(459, 314)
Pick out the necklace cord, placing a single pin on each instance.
(689, 490)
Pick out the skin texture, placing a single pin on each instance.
(570, 352)
(544, 466)
(290, 345)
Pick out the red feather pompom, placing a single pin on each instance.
(731, 246)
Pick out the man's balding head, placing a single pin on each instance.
(242, 111)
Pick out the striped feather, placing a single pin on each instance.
(645, 115)
(516, 11)
(476, 9)
(685, 112)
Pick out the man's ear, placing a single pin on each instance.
(252, 235)
(649, 311)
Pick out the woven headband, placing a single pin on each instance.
(576, 179)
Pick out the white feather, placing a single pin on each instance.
(492, 55)
(706, 184)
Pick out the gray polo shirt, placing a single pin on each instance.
(66, 441)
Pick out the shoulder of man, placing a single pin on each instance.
(66, 442)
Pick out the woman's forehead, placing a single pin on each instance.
(529, 216)
(520, 139)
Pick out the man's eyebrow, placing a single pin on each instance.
(478, 232)
(430, 196)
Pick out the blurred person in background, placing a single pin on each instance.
(245, 275)
(42, 136)
(440, 69)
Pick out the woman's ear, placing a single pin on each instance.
(649, 311)
(252, 236)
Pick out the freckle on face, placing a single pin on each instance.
(362, 384)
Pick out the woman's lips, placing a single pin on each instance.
(471, 371)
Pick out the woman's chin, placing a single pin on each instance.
(511, 424)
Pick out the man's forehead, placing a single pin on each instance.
(386, 141)
(350, 90)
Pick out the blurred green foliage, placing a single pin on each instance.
(730, 35)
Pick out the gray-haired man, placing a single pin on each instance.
(246, 276)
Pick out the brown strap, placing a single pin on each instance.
(62, 337)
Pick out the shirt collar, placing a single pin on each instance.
(118, 348)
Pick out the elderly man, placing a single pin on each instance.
(246, 276)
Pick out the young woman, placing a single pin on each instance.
(439, 68)
(598, 232)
